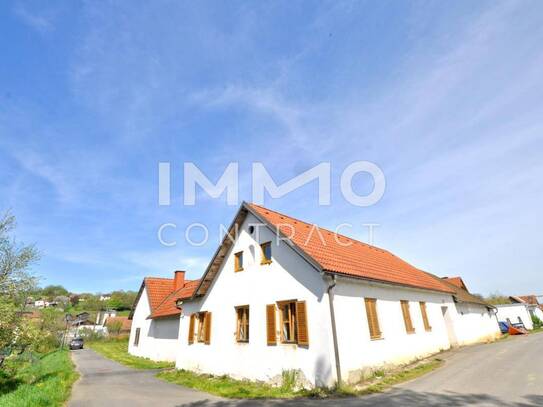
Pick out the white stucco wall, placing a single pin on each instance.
(475, 323)
(513, 312)
(158, 337)
(256, 286)
(358, 351)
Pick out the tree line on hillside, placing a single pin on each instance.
(119, 300)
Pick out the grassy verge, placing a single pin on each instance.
(117, 350)
(46, 381)
(225, 386)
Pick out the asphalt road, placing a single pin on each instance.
(506, 373)
(107, 383)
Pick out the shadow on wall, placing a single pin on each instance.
(323, 372)
(393, 399)
(164, 328)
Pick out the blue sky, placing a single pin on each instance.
(446, 99)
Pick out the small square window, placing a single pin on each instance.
(238, 261)
(266, 253)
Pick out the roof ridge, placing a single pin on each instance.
(325, 229)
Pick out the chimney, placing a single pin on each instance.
(178, 279)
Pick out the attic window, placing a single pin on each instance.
(251, 229)
(266, 253)
(238, 261)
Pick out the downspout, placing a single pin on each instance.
(331, 285)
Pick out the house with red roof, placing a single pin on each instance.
(283, 294)
(155, 317)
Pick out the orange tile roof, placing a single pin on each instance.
(157, 288)
(457, 281)
(348, 256)
(167, 307)
(530, 299)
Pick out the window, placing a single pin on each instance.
(424, 316)
(266, 253)
(293, 322)
(238, 261)
(242, 328)
(203, 333)
(407, 317)
(137, 337)
(373, 320)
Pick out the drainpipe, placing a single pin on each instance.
(331, 285)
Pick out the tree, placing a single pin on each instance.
(497, 299)
(16, 332)
(122, 300)
(52, 291)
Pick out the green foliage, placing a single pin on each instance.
(537, 322)
(497, 299)
(122, 300)
(52, 291)
(117, 350)
(43, 381)
(114, 327)
(289, 379)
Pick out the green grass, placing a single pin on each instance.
(46, 381)
(117, 350)
(225, 386)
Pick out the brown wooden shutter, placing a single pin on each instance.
(424, 316)
(207, 327)
(407, 317)
(270, 324)
(301, 315)
(373, 321)
(191, 329)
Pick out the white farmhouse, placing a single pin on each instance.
(535, 309)
(155, 318)
(515, 314)
(281, 294)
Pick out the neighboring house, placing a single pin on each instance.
(282, 294)
(516, 313)
(155, 318)
(39, 304)
(531, 302)
(124, 322)
(475, 320)
(102, 316)
(105, 297)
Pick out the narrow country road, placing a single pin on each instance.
(506, 373)
(107, 383)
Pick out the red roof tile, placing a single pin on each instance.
(167, 307)
(340, 254)
(457, 281)
(157, 289)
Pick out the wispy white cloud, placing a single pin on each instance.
(32, 19)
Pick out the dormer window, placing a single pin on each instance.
(266, 253)
(238, 261)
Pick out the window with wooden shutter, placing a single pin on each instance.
(407, 317)
(270, 324)
(238, 261)
(191, 328)
(242, 326)
(287, 314)
(373, 321)
(424, 316)
(301, 317)
(207, 323)
(137, 337)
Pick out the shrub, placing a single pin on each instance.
(289, 379)
(537, 322)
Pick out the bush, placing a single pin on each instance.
(537, 322)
